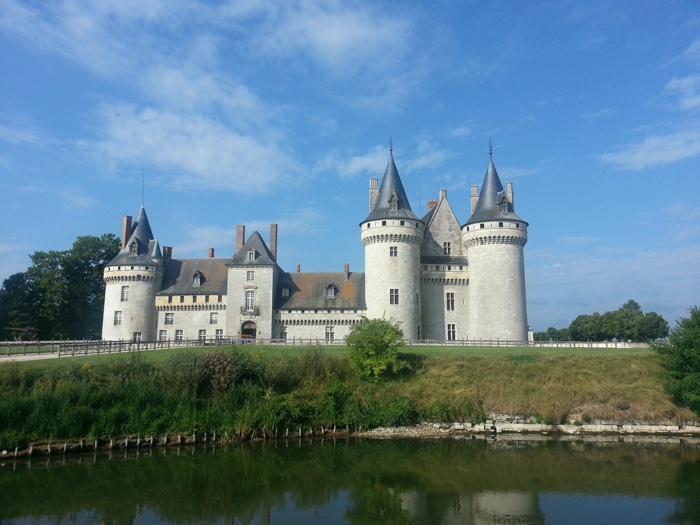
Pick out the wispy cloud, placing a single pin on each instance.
(372, 162)
(656, 150)
(688, 90)
(595, 115)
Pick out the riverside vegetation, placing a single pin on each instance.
(239, 393)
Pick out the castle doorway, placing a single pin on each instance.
(249, 330)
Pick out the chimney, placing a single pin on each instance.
(431, 204)
(240, 237)
(443, 194)
(474, 197)
(347, 271)
(126, 230)
(298, 268)
(211, 253)
(510, 194)
(373, 193)
(273, 241)
(167, 253)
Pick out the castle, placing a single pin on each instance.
(440, 280)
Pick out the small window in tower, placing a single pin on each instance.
(251, 255)
(178, 335)
(250, 276)
(393, 296)
(500, 225)
(383, 223)
(137, 337)
(451, 332)
(393, 202)
(125, 293)
(450, 298)
(393, 251)
(481, 225)
(517, 225)
(402, 223)
(447, 248)
(368, 225)
(162, 335)
(133, 249)
(117, 318)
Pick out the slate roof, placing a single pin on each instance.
(263, 256)
(391, 184)
(493, 202)
(179, 276)
(309, 291)
(148, 249)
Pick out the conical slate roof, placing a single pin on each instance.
(493, 203)
(261, 254)
(147, 247)
(391, 189)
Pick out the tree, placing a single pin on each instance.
(680, 356)
(626, 323)
(62, 292)
(374, 348)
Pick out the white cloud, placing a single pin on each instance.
(595, 115)
(656, 150)
(688, 89)
(19, 136)
(461, 131)
(577, 239)
(200, 152)
(373, 162)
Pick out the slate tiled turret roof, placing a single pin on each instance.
(493, 203)
(263, 256)
(391, 189)
(147, 249)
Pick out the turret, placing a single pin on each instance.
(392, 236)
(132, 279)
(494, 237)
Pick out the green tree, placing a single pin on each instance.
(628, 322)
(680, 357)
(15, 310)
(374, 348)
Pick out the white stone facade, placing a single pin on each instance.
(439, 279)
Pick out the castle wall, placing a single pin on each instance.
(137, 314)
(263, 286)
(184, 317)
(438, 313)
(320, 324)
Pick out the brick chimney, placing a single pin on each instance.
(273, 241)
(298, 268)
(443, 194)
(240, 237)
(126, 230)
(211, 253)
(167, 253)
(431, 204)
(346, 270)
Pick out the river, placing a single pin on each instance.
(352, 481)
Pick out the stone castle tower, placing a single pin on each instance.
(392, 236)
(132, 280)
(494, 237)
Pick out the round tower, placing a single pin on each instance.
(392, 236)
(494, 238)
(132, 279)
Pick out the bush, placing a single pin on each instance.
(374, 348)
(680, 357)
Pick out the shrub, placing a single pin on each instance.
(374, 348)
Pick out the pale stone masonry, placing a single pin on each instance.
(439, 279)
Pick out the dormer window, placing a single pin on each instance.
(330, 291)
(133, 249)
(393, 202)
(504, 204)
(285, 291)
(251, 255)
(197, 279)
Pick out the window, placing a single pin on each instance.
(285, 291)
(383, 223)
(133, 249)
(451, 332)
(202, 335)
(251, 255)
(206, 298)
(197, 280)
(178, 335)
(117, 318)
(137, 337)
(450, 300)
(163, 335)
(219, 334)
(182, 298)
(481, 226)
(330, 334)
(250, 276)
(330, 291)
(250, 300)
(125, 293)
(169, 318)
(393, 202)
(219, 299)
(446, 248)
(500, 225)
(170, 299)
(402, 223)
(194, 298)
(214, 318)
(393, 251)
(394, 296)
(283, 335)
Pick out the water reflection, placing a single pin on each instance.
(389, 482)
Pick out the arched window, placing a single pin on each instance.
(133, 249)
(330, 291)
(197, 279)
(393, 202)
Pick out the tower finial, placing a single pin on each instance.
(391, 145)
(490, 148)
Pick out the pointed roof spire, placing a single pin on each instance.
(142, 247)
(392, 202)
(493, 203)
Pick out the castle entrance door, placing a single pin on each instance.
(249, 330)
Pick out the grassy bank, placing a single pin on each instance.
(236, 392)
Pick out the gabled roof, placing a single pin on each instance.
(441, 225)
(391, 188)
(309, 291)
(493, 202)
(263, 256)
(147, 248)
(178, 276)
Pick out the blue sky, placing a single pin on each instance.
(252, 112)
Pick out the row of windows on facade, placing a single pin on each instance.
(500, 225)
(402, 223)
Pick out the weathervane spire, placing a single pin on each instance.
(391, 145)
(490, 149)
